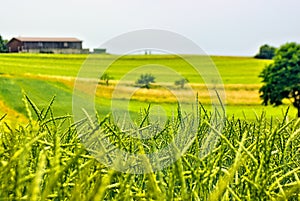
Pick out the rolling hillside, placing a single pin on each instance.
(43, 76)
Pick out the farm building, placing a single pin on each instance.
(45, 45)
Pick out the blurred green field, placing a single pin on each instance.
(234, 70)
(43, 76)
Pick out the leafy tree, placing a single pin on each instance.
(266, 52)
(3, 47)
(106, 77)
(282, 78)
(146, 80)
(181, 82)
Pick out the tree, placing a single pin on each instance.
(266, 52)
(181, 82)
(106, 77)
(146, 80)
(3, 47)
(282, 78)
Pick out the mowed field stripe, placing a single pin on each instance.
(12, 117)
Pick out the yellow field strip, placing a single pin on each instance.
(12, 117)
(240, 94)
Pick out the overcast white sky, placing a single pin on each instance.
(219, 27)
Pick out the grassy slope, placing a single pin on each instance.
(29, 72)
(234, 70)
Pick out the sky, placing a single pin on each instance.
(219, 27)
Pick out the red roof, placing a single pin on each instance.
(33, 39)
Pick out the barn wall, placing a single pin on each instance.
(14, 46)
(52, 45)
(56, 51)
(48, 47)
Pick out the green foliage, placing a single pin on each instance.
(106, 78)
(145, 80)
(181, 82)
(45, 160)
(266, 52)
(281, 78)
(3, 47)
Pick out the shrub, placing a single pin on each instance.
(145, 80)
(266, 52)
(181, 83)
(3, 47)
(106, 78)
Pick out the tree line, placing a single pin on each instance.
(281, 78)
(3, 47)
